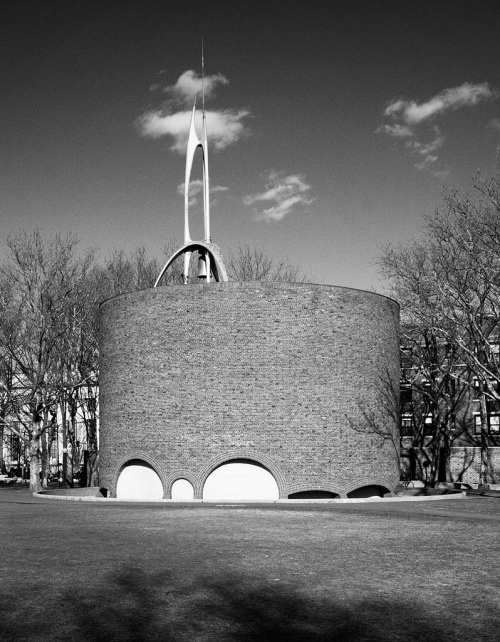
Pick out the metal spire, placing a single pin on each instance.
(202, 78)
(210, 263)
(204, 146)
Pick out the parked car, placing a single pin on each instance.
(5, 479)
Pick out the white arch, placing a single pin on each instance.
(240, 480)
(138, 480)
(182, 490)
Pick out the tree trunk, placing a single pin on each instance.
(35, 462)
(93, 469)
(85, 469)
(92, 445)
(45, 440)
(433, 471)
(75, 453)
(44, 474)
(64, 428)
(432, 458)
(443, 459)
(2, 419)
(483, 470)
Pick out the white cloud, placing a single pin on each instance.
(155, 124)
(171, 119)
(426, 149)
(394, 107)
(284, 192)
(224, 127)
(410, 121)
(195, 187)
(413, 113)
(396, 130)
(427, 162)
(189, 86)
(495, 123)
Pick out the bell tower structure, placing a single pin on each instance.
(210, 262)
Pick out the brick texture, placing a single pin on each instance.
(279, 373)
(465, 465)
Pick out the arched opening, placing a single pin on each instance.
(182, 490)
(240, 479)
(313, 494)
(139, 480)
(367, 491)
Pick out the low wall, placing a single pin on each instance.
(89, 491)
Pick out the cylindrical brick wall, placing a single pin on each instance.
(293, 376)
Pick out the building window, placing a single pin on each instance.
(90, 402)
(475, 387)
(407, 425)
(15, 448)
(428, 425)
(405, 399)
(494, 422)
(53, 448)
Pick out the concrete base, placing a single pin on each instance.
(97, 497)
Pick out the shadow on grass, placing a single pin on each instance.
(131, 605)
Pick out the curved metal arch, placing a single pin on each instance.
(213, 262)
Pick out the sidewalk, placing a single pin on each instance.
(483, 493)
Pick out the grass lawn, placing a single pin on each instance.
(406, 571)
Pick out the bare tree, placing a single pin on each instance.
(125, 273)
(433, 403)
(41, 299)
(254, 264)
(448, 284)
(379, 416)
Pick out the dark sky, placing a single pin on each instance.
(332, 125)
